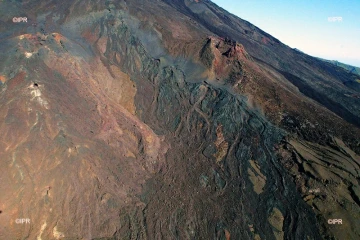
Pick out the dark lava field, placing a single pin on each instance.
(170, 119)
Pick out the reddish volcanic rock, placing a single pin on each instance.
(169, 120)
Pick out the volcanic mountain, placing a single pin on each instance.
(170, 119)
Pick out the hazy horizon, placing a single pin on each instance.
(309, 26)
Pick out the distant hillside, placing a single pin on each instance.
(351, 69)
(298, 50)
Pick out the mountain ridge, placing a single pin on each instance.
(129, 120)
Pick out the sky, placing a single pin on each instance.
(305, 24)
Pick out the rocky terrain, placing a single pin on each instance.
(166, 119)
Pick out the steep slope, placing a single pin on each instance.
(162, 120)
